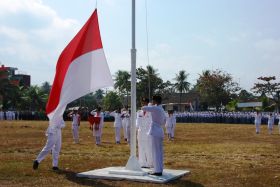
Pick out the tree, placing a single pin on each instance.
(9, 93)
(46, 87)
(99, 95)
(122, 83)
(112, 101)
(181, 84)
(244, 95)
(216, 88)
(149, 82)
(36, 98)
(270, 88)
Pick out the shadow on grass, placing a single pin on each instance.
(184, 183)
(71, 176)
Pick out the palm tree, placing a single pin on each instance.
(36, 98)
(122, 83)
(149, 81)
(181, 83)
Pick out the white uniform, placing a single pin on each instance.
(173, 126)
(157, 135)
(53, 143)
(97, 133)
(169, 125)
(279, 122)
(126, 121)
(1, 115)
(117, 125)
(270, 123)
(258, 121)
(143, 123)
(75, 126)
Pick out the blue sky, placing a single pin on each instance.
(237, 36)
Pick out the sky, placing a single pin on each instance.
(239, 37)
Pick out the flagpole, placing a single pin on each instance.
(132, 163)
(133, 87)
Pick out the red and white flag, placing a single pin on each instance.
(81, 69)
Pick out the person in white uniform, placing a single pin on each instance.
(279, 122)
(173, 120)
(75, 124)
(157, 134)
(258, 121)
(53, 144)
(270, 123)
(143, 122)
(1, 114)
(126, 120)
(117, 125)
(169, 124)
(97, 129)
(124, 123)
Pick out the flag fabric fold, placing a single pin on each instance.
(81, 69)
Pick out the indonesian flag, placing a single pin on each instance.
(81, 69)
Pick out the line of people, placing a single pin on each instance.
(270, 121)
(150, 134)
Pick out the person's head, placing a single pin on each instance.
(157, 99)
(145, 101)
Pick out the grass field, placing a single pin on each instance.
(216, 155)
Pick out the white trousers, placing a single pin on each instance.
(258, 125)
(118, 134)
(157, 153)
(144, 150)
(270, 127)
(75, 132)
(53, 143)
(173, 131)
(124, 129)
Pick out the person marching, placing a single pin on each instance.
(143, 122)
(117, 124)
(53, 144)
(97, 126)
(156, 133)
(270, 123)
(76, 118)
(258, 121)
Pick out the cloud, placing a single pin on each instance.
(32, 35)
(269, 49)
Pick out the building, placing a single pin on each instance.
(16, 79)
(189, 102)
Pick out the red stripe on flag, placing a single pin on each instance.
(86, 40)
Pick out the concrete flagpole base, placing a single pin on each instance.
(106, 173)
(132, 168)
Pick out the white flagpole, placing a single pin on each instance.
(133, 86)
(133, 163)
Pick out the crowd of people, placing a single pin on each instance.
(22, 115)
(223, 117)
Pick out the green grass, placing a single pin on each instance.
(216, 155)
